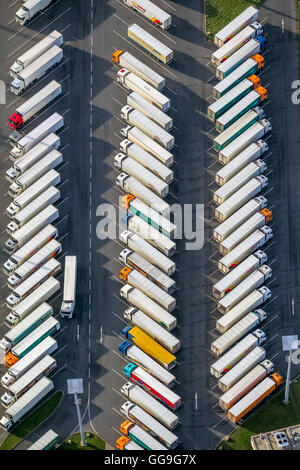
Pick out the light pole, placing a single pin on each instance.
(77, 402)
(76, 386)
(288, 379)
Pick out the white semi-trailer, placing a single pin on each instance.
(235, 354)
(240, 216)
(256, 221)
(253, 281)
(248, 16)
(152, 12)
(135, 118)
(33, 156)
(139, 103)
(128, 61)
(143, 157)
(138, 318)
(234, 277)
(241, 197)
(29, 230)
(133, 168)
(248, 304)
(254, 241)
(29, 9)
(139, 300)
(50, 196)
(240, 329)
(53, 39)
(134, 83)
(36, 69)
(137, 395)
(23, 144)
(69, 295)
(143, 140)
(29, 249)
(151, 254)
(136, 261)
(26, 403)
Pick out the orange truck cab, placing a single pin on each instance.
(124, 273)
(255, 80)
(277, 379)
(121, 442)
(259, 60)
(10, 360)
(126, 200)
(263, 93)
(268, 215)
(126, 426)
(116, 56)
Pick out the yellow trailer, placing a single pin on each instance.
(156, 48)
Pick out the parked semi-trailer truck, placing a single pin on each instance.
(52, 142)
(240, 216)
(51, 178)
(53, 39)
(135, 118)
(69, 294)
(248, 16)
(23, 144)
(250, 154)
(39, 169)
(134, 83)
(40, 295)
(29, 249)
(148, 403)
(26, 326)
(134, 260)
(29, 9)
(136, 101)
(35, 104)
(50, 196)
(138, 318)
(36, 69)
(151, 254)
(47, 328)
(137, 356)
(236, 112)
(139, 438)
(240, 329)
(149, 346)
(134, 187)
(245, 70)
(133, 168)
(247, 246)
(135, 279)
(148, 42)
(153, 386)
(128, 61)
(139, 154)
(26, 403)
(147, 422)
(254, 397)
(235, 354)
(244, 385)
(37, 223)
(16, 390)
(139, 300)
(47, 441)
(231, 46)
(252, 47)
(234, 277)
(143, 140)
(152, 12)
(47, 252)
(256, 221)
(251, 360)
(152, 235)
(238, 199)
(248, 304)
(47, 346)
(35, 280)
(253, 281)
(252, 170)
(252, 134)
(220, 106)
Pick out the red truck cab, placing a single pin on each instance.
(15, 120)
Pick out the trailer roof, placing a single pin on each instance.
(233, 76)
(252, 396)
(244, 17)
(149, 39)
